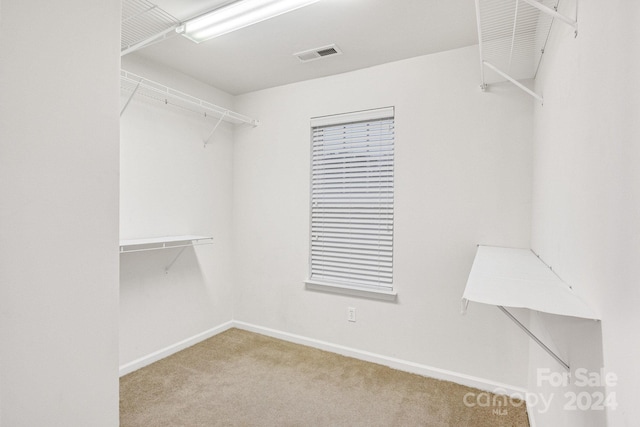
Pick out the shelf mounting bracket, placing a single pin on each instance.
(534, 338)
(168, 267)
(208, 138)
(130, 97)
(554, 14)
(163, 35)
(514, 81)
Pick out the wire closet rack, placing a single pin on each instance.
(134, 84)
(512, 37)
(144, 23)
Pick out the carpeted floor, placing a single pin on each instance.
(239, 378)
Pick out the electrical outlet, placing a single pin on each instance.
(351, 314)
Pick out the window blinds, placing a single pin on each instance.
(352, 199)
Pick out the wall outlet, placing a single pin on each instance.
(351, 314)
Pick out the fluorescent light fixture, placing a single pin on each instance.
(237, 15)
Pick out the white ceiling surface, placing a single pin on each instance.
(369, 32)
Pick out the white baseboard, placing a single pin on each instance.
(392, 362)
(402, 365)
(532, 420)
(174, 348)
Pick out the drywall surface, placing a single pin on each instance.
(170, 184)
(586, 197)
(557, 396)
(462, 178)
(59, 213)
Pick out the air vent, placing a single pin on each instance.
(318, 53)
(327, 52)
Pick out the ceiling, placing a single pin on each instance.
(368, 32)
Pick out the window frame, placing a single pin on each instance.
(346, 286)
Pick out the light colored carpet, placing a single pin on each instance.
(239, 378)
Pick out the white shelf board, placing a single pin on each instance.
(163, 242)
(508, 277)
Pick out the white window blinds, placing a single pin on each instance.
(352, 199)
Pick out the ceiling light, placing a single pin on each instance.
(237, 15)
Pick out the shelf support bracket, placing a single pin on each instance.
(130, 97)
(168, 267)
(161, 36)
(554, 14)
(514, 81)
(534, 338)
(208, 138)
(465, 306)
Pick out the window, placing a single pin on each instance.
(351, 245)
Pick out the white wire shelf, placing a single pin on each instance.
(144, 23)
(163, 242)
(512, 37)
(135, 85)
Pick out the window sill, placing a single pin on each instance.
(351, 290)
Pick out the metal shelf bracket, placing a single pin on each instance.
(130, 98)
(554, 14)
(208, 138)
(512, 80)
(161, 36)
(168, 267)
(534, 338)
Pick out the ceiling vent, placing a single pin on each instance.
(318, 53)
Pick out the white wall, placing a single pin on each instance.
(463, 177)
(586, 195)
(556, 398)
(172, 185)
(59, 213)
